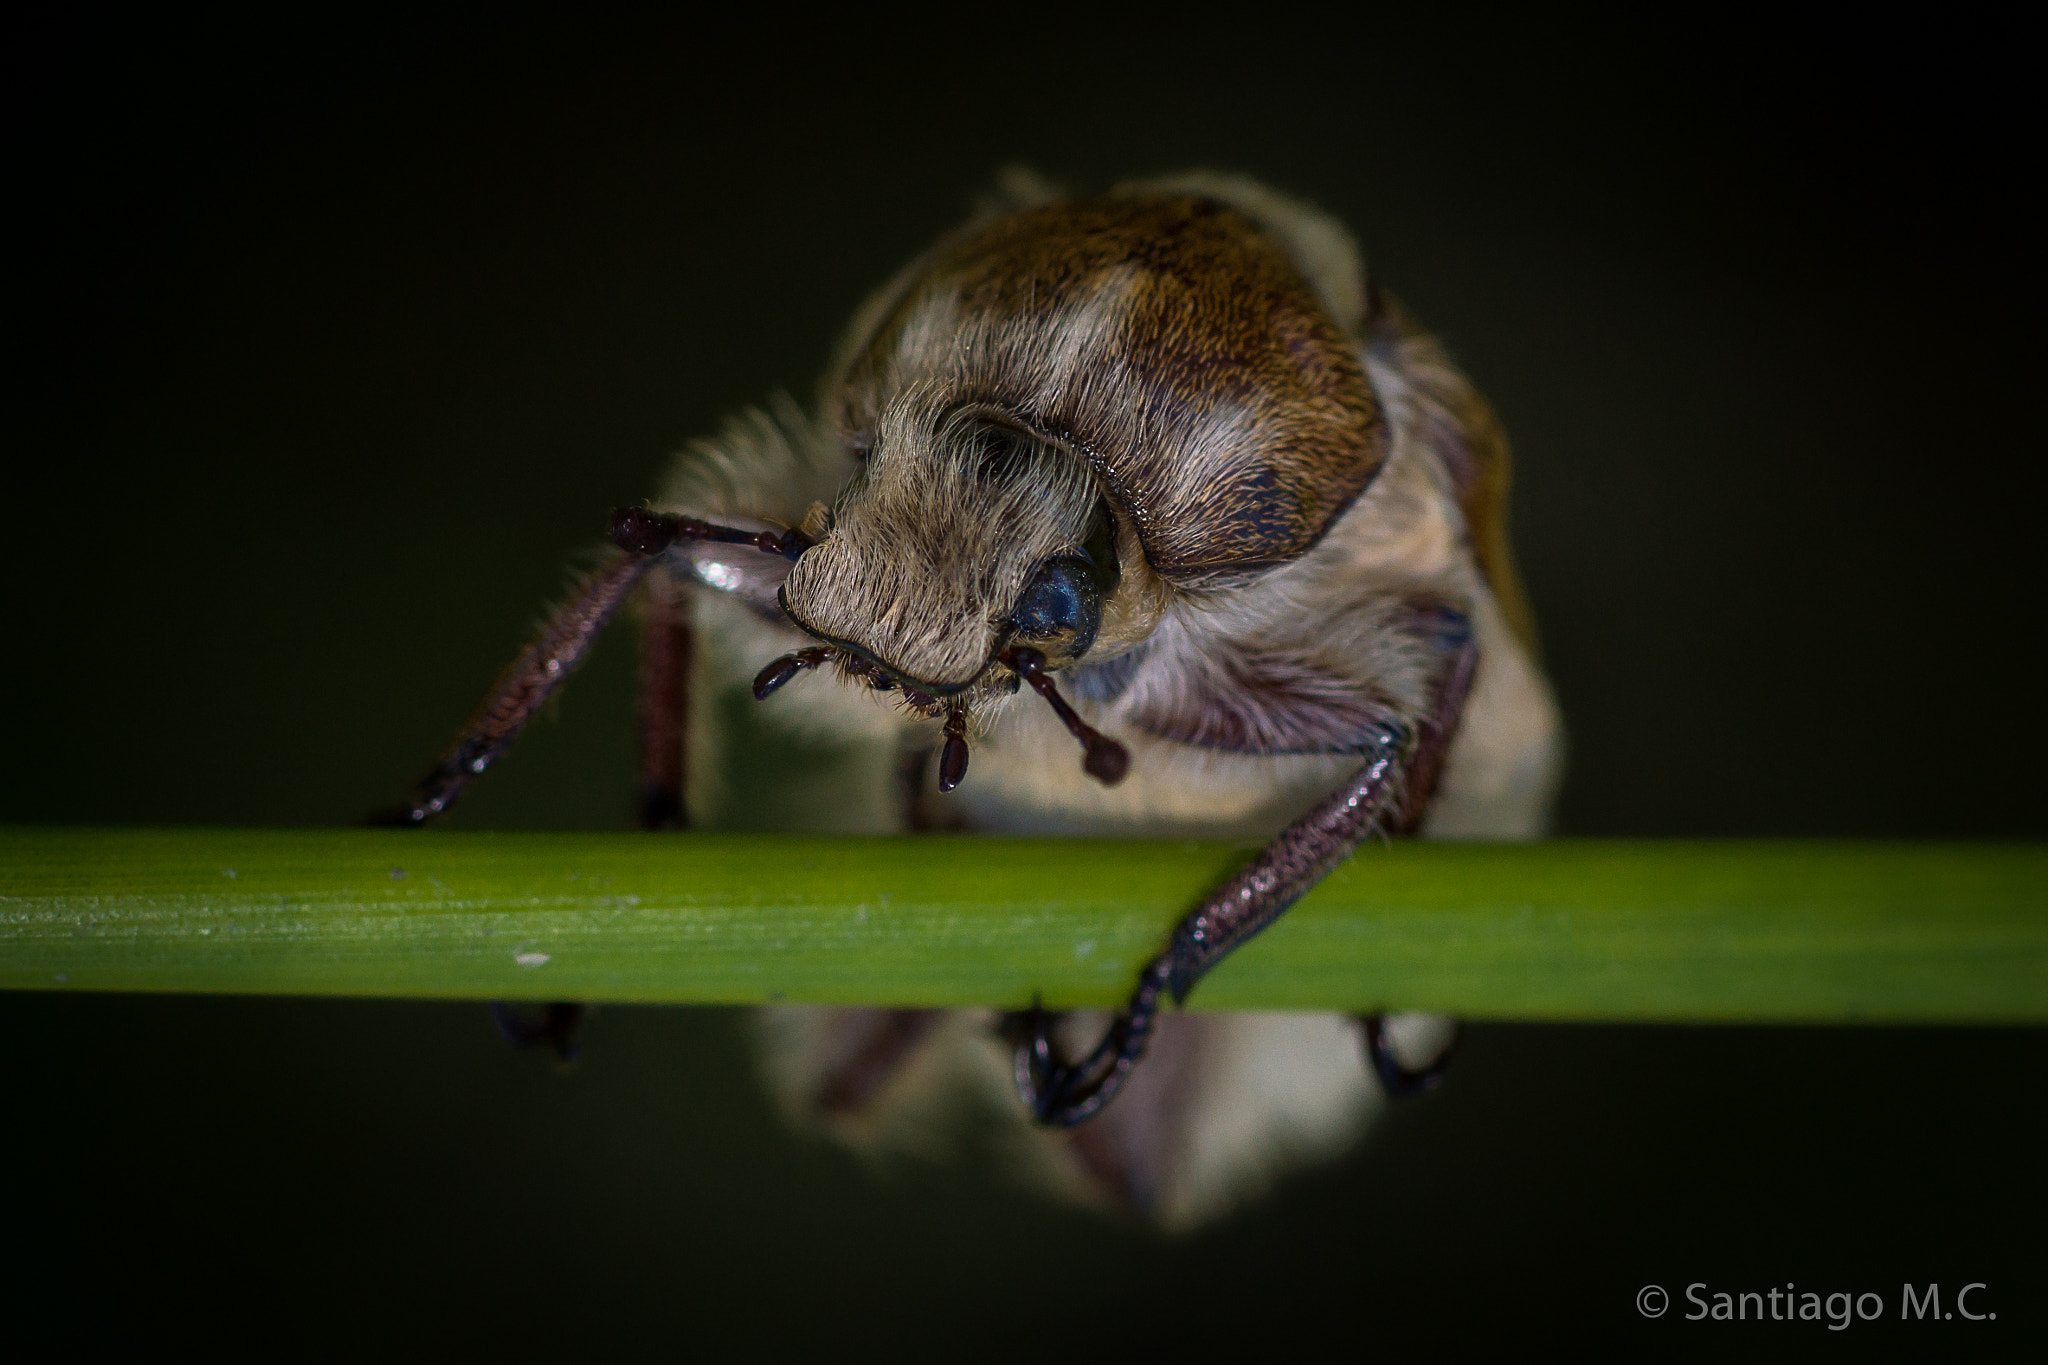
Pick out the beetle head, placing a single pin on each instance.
(967, 555)
(959, 537)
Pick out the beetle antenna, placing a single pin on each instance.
(1107, 761)
(769, 680)
(953, 758)
(643, 531)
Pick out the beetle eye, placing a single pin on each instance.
(1062, 606)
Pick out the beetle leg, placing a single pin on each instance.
(876, 1044)
(527, 682)
(643, 531)
(642, 537)
(1061, 1094)
(664, 706)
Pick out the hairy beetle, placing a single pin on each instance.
(1158, 471)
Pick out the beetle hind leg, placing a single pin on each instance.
(876, 1043)
(873, 1078)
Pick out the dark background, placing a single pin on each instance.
(331, 344)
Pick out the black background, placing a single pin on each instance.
(331, 344)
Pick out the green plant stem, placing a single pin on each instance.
(1814, 932)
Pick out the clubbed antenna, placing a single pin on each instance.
(1107, 761)
(769, 680)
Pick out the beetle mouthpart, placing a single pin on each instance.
(953, 758)
(1106, 760)
(769, 680)
(853, 666)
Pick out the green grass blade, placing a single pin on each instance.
(1562, 930)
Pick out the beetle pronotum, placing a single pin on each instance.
(1158, 472)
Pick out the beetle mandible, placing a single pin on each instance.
(1158, 475)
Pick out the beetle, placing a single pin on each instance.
(1159, 475)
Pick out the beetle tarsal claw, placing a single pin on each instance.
(1104, 759)
(1061, 1094)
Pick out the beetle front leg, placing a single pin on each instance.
(528, 681)
(1062, 1094)
(642, 538)
(664, 706)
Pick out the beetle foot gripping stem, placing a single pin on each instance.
(1060, 1094)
